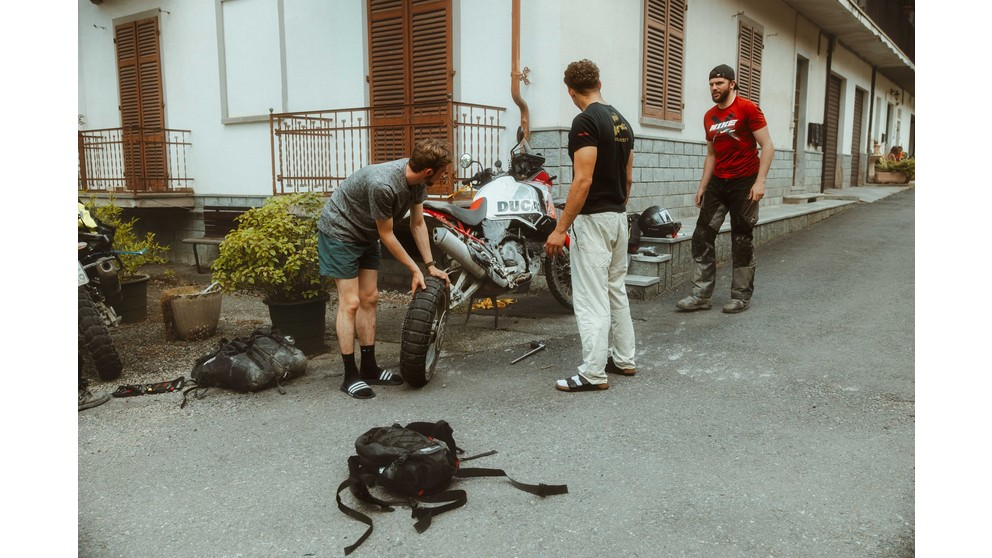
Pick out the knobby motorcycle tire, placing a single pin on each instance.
(558, 275)
(423, 332)
(96, 339)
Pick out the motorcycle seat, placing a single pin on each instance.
(470, 217)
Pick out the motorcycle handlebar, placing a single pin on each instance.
(479, 177)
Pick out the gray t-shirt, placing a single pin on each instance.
(372, 193)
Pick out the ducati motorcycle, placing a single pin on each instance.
(493, 247)
(99, 290)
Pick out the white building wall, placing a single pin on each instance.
(226, 63)
(813, 46)
(482, 61)
(855, 74)
(326, 54)
(609, 34)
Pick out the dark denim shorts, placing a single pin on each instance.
(342, 260)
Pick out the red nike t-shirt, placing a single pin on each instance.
(732, 132)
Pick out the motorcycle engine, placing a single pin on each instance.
(520, 255)
(513, 253)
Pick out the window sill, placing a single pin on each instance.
(659, 123)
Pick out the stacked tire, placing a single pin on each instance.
(95, 339)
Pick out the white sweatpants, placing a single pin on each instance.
(598, 253)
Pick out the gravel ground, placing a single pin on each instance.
(150, 357)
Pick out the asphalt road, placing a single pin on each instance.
(787, 430)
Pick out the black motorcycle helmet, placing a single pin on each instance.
(656, 222)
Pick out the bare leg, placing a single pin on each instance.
(368, 297)
(348, 303)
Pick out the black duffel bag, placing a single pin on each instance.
(259, 361)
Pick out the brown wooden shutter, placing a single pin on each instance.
(139, 74)
(664, 57)
(410, 74)
(387, 78)
(432, 77)
(751, 44)
(431, 51)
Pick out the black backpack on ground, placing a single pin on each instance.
(261, 360)
(419, 462)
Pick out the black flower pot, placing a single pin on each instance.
(304, 320)
(133, 306)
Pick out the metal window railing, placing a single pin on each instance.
(134, 159)
(316, 150)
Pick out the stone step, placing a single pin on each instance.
(641, 281)
(661, 258)
(648, 266)
(642, 286)
(801, 198)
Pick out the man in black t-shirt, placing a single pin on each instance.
(601, 146)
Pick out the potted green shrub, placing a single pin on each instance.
(134, 252)
(889, 171)
(273, 253)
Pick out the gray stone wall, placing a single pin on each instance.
(814, 172)
(172, 225)
(667, 172)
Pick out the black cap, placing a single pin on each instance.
(722, 71)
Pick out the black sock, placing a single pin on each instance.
(369, 365)
(350, 370)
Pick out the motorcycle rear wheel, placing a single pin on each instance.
(558, 274)
(423, 332)
(97, 340)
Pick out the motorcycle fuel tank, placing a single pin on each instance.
(508, 199)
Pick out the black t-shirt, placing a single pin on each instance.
(606, 129)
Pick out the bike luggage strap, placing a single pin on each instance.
(132, 390)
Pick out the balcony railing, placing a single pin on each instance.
(135, 160)
(315, 151)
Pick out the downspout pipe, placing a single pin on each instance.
(515, 76)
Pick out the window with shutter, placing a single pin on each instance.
(139, 75)
(664, 59)
(750, 45)
(410, 79)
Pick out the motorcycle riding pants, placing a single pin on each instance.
(725, 195)
(598, 254)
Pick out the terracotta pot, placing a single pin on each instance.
(884, 177)
(304, 320)
(194, 314)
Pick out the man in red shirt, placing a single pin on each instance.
(733, 181)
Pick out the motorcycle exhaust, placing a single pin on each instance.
(459, 252)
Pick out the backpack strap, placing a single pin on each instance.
(191, 388)
(484, 454)
(360, 482)
(424, 514)
(357, 483)
(541, 489)
(355, 514)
